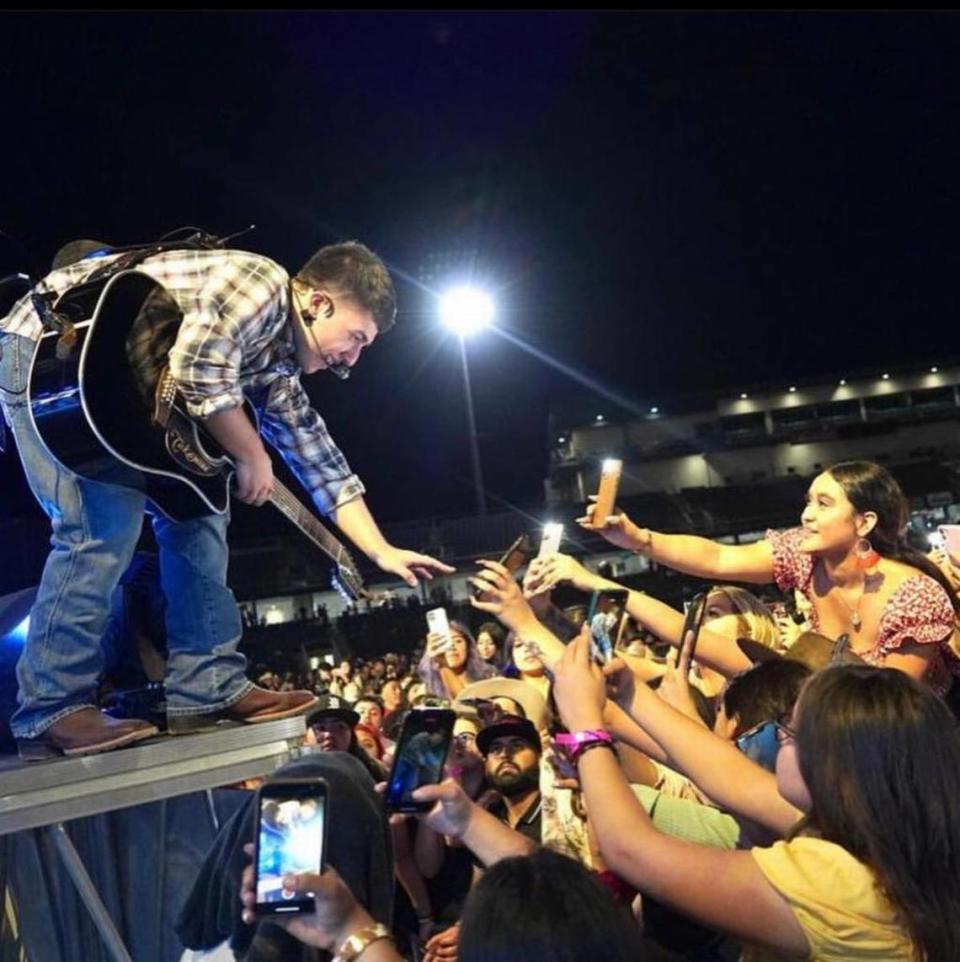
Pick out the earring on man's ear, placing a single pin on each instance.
(867, 556)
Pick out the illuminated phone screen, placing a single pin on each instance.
(607, 618)
(420, 756)
(290, 839)
(761, 746)
(551, 539)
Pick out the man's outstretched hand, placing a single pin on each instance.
(411, 566)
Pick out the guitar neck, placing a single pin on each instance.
(287, 502)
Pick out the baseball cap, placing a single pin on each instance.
(509, 726)
(330, 706)
(78, 250)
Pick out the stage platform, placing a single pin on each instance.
(44, 795)
(35, 794)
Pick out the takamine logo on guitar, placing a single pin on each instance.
(183, 451)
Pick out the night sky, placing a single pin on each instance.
(665, 203)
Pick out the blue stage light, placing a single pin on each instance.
(17, 636)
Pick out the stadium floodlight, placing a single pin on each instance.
(466, 310)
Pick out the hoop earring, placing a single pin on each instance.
(867, 556)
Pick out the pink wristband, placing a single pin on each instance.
(575, 742)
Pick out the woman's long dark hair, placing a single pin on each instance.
(871, 487)
(496, 632)
(880, 755)
(476, 669)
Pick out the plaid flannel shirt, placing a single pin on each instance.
(234, 340)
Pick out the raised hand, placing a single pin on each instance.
(618, 529)
(337, 914)
(578, 686)
(534, 590)
(443, 946)
(501, 596)
(437, 646)
(452, 811)
(675, 686)
(558, 568)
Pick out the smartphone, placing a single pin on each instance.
(607, 617)
(291, 834)
(692, 622)
(607, 491)
(513, 559)
(950, 533)
(419, 757)
(760, 745)
(438, 624)
(550, 540)
(518, 554)
(487, 709)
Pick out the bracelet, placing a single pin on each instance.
(646, 545)
(577, 742)
(354, 945)
(589, 745)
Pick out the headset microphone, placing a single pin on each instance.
(309, 318)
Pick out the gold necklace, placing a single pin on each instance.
(855, 620)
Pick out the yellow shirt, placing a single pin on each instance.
(836, 901)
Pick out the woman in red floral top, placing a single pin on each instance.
(849, 558)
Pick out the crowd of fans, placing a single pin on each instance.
(785, 791)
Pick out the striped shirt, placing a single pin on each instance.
(233, 341)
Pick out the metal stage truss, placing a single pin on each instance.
(42, 796)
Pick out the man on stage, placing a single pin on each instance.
(248, 330)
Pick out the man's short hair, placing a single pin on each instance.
(357, 273)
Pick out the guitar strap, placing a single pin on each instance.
(74, 304)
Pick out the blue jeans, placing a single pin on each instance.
(96, 526)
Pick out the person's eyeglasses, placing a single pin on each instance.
(784, 732)
(464, 739)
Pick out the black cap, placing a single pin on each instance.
(77, 250)
(332, 707)
(509, 726)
